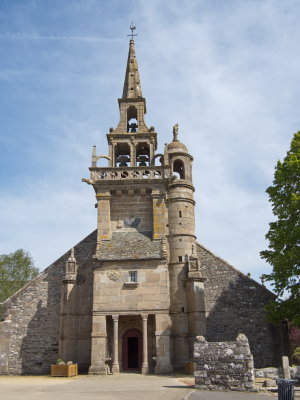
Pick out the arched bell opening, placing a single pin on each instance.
(132, 123)
(178, 169)
(122, 155)
(143, 155)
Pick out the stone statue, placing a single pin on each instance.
(175, 132)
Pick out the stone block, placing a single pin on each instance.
(286, 367)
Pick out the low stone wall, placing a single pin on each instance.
(223, 365)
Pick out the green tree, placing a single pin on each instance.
(15, 270)
(284, 237)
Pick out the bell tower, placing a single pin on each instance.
(131, 237)
(145, 234)
(131, 172)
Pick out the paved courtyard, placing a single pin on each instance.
(117, 387)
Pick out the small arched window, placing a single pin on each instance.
(142, 154)
(178, 169)
(132, 124)
(122, 155)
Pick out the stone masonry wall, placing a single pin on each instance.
(114, 293)
(33, 315)
(34, 323)
(235, 304)
(4, 345)
(136, 206)
(223, 365)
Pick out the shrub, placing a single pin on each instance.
(296, 356)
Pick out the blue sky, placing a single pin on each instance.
(226, 71)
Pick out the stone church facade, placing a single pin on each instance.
(134, 294)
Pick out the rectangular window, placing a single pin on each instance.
(180, 258)
(132, 276)
(180, 215)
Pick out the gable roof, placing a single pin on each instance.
(202, 248)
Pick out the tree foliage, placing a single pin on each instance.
(284, 237)
(15, 270)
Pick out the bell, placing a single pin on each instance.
(133, 127)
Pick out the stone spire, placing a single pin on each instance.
(132, 104)
(132, 86)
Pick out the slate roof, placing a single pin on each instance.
(130, 245)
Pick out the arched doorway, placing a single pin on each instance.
(132, 350)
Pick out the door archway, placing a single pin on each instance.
(132, 350)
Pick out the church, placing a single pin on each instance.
(135, 293)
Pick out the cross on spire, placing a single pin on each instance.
(132, 27)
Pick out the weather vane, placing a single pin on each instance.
(132, 27)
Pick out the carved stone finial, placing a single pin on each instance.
(175, 133)
(166, 155)
(94, 156)
(71, 268)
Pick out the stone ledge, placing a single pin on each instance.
(131, 285)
